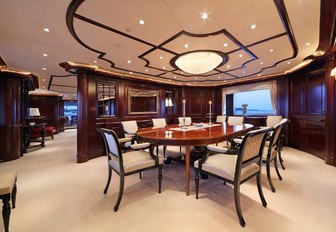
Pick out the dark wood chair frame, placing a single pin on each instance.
(239, 165)
(122, 174)
(6, 208)
(274, 144)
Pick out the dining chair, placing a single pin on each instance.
(160, 123)
(221, 118)
(238, 168)
(272, 120)
(235, 120)
(8, 191)
(271, 151)
(187, 121)
(128, 163)
(130, 129)
(283, 122)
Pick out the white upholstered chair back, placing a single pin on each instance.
(273, 120)
(129, 127)
(221, 118)
(159, 122)
(235, 120)
(187, 121)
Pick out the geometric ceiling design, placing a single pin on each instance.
(257, 38)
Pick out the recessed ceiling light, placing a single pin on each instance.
(240, 55)
(43, 86)
(225, 45)
(45, 54)
(164, 67)
(228, 66)
(46, 29)
(95, 61)
(44, 68)
(219, 77)
(253, 26)
(243, 71)
(129, 61)
(224, 80)
(261, 62)
(130, 72)
(169, 80)
(195, 78)
(288, 62)
(186, 45)
(307, 44)
(146, 70)
(271, 50)
(175, 77)
(141, 21)
(43, 79)
(259, 75)
(204, 15)
(161, 57)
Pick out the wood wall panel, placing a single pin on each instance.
(315, 95)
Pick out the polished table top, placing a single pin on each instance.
(195, 135)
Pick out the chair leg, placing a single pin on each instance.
(14, 196)
(121, 191)
(108, 180)
(140, 176)
(261, 194)
(237, 204)
(6, 211)
(196, 182)
(160, 178)
(280, 159)
(276, 168)
(268, 171)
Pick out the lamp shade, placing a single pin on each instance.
(34, 112)
(168, 102)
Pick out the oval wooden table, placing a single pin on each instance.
(175, 135)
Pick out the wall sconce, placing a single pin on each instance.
(168, 102)
(333, 72)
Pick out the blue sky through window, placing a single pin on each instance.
(258, 101)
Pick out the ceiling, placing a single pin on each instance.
(107, 34)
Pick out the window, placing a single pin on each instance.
(258, 102)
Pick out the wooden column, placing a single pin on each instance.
(330, 155)
(12, 106)
(83, 117)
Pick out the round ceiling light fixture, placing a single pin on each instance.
(199, 62)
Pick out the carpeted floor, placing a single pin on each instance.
(57, 194)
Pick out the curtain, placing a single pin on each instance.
(273, 94)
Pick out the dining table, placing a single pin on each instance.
(197, 134)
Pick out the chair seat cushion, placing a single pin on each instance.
(218, 148)
(134, 160)
(50, 130)
(7, 181)
(225, 166)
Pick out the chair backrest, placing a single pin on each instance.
(159, 122)
(221, 118)
(112, 146)
(272, 120)
(251, 149)
(235, 120)
(129, 127)
(275, 139)
(283, 121)
(187, 121)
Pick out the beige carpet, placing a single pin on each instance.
(57, 194)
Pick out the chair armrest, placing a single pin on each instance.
(217, 148)
(138, 146)
(125, 140)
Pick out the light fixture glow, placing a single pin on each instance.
(225, 45)
(199, 62)
(45, 54)
(253, 26)
(204, 15)
(141, 22)
(44, 69)
(186, 45)
(46, 29)
(307, 44)
(271, 50)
